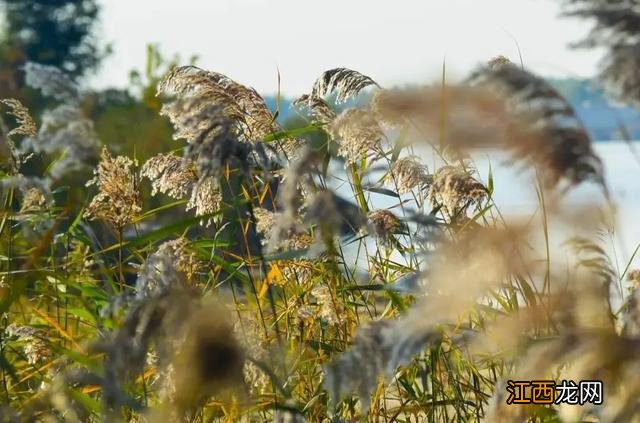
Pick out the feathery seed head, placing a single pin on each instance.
(383, 223)
(36, 192)
(205, 198)
(167, 267)
(33, 200)
(541, 124)
(455, 189)
(320, 110)
(332, 310)
(617, 25)
(392, 109)
(358, 133)
(65, 129)
(212, 144)
(345, 82)
(634, 276)
(265, 222)
(33, 345)
(118, 200)
(26, 124)
(170, 174)
(498, 61)
(243, 105)
(409, 173)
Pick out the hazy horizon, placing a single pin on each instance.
(406, 42)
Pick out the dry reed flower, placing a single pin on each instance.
(378, 348)
(36, 192)
(542, 124)
(212, 144)
(332, 310)
(409, 174)
(276, 235)
(251, 337)
(357, 133)
(33, 201)
(634, 276)
(320, 110)
(169, 267)
(170, 174)
(298, 240)
(296, 183)
(383, 224)
(306, 313)
(205, 198)
(472, 116)
(33, 345)
(617, 25)
(118, 200)
(345, 82)
(504, 106)
(241, 104)
(265, 222)
(298, 271)
(26, 126)
(455, 189)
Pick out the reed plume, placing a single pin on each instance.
(205, 198)
(546, 128)
(171, 175)
(409, 173)
(383, 224)
(358, 134)
(209, 359)
(118, 200)
(26, 126)
(617, 26)
(455, 190)
(346, 83)
(171, 265)
(33, 342)
(320, 110)
(241, 104)
(213, 145)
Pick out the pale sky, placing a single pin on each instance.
(393, 41)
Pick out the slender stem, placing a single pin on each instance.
(357, 183)
(121, 281)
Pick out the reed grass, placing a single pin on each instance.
(271, 285)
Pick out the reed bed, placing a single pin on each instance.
(271, 285)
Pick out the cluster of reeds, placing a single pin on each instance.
(319, 273)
